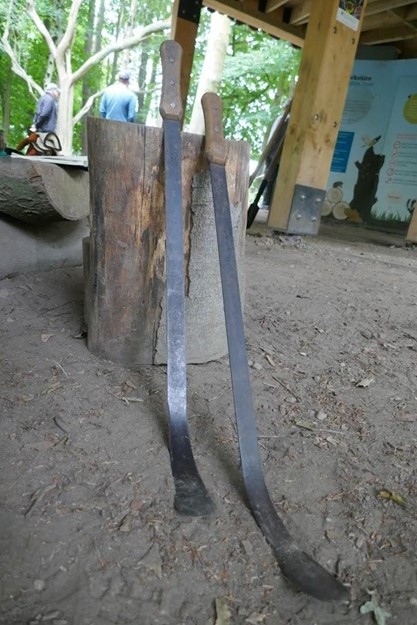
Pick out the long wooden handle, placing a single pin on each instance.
(216, 148)
(275, 138)
(171, 104)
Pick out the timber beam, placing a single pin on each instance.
(326, 65)
(270, 22)
(184, 27)
(380, 36)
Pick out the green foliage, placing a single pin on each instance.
(32, 54)
(14, 101)
(259, 76)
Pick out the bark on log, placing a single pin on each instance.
(36, 192)
(125, 285)
(411, 236)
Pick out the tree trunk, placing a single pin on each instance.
(212, 69)
(116, 35)
(151, 120)
(132, 16)
(142, 82)
(5, 101)
(125, 287)
(34, 191)
(98, 29)
(88, 50)
(65, 108)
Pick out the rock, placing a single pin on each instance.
(39, 585)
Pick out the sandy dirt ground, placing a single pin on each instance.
(88, 531)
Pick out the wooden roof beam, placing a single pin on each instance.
(301, 13)
(271, 5)
(405, 19)
(387, 35)
(382, 20)
(411, 13)
(407, 48)
(386, 5)
(248, 13)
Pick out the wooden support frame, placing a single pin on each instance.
(326, 65)
(184, 27)
(249, 13)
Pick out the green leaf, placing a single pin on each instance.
(380, 614)
(223, 614)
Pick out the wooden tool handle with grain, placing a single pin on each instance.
(171, 104)
(216, 147)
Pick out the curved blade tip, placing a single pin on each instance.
(312, 579)
(192, 499)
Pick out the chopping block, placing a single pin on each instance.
(124, 256)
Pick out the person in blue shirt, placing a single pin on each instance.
(118, 102)
(47, 110)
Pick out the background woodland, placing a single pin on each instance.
(82, 44)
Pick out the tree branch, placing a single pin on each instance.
(67, 38)
(17, 68)
(119, 45)
(33, 14)
(87, 106)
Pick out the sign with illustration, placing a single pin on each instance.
(349, 13)
(373, 176)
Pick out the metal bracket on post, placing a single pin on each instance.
(190, 10)
(305, 210)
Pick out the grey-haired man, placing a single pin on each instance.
(46, 114)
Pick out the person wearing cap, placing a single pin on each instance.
(118, 102)
(46, 114)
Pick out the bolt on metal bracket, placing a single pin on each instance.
(305, 210)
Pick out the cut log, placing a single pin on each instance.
(411, 236)
(125, 286)
(38, 191)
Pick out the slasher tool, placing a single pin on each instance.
(296, 566)
(191, 496)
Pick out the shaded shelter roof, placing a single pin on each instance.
(386, 22)
(329, 33)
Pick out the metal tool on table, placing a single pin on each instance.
(191, 496)
(297, 566)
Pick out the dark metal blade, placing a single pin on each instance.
(254, 208)
(296, 565)
(191, 496)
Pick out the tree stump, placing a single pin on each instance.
(125, 257)
(37, 192)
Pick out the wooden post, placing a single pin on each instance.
(326, 65)
(125, 281)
